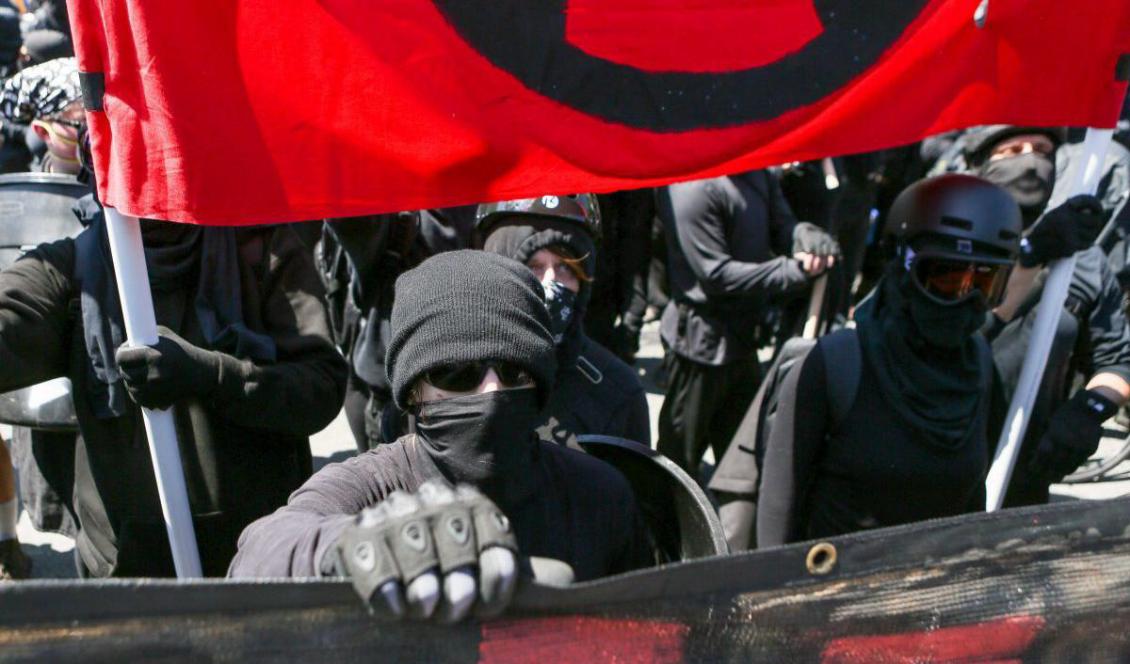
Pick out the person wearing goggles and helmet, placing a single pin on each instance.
(556, 237)
(471, 357)
(914, 442)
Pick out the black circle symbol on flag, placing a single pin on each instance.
(527, 39)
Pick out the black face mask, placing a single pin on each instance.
(945, 326)
(562, 305)
(1027, 177)
(483, 439)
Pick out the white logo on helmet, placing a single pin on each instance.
(549, 201)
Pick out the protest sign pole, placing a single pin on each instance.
(1043, 333)
(128, 257)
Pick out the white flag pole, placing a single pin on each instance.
(1043, 333)
(128, 256)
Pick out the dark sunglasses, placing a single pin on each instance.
(950, 280)
(467, 377)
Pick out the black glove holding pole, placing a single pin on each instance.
(436, 553)
(1073, 435)
(160, 375)
(811, 239)
(1069, 228)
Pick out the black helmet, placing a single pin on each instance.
(957, 216)
(957, 235)
(580, 209)
(978, 141)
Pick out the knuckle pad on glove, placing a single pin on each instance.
(492, 527)
(411, 541)
(456, 544)
(367, 559)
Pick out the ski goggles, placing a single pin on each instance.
(468, 376)
(950, 280)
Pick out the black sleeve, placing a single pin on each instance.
(363, 240)
(302, 391)
(638, 421)
(796, 439)
(35, 293)
(294, 540)
(700, 210)
(1107, 325)
(782, 221)
(635, 259)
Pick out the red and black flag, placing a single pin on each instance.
(249, 111)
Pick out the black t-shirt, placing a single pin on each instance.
(871, 471)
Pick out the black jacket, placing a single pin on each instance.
(596, 394)
(728, 241)
(583, 513)
(1091, 337)
(243, 451)
(619, 289)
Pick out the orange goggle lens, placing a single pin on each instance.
(952, 280)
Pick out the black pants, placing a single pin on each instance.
(703, 407)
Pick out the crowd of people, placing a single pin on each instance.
(470, 347)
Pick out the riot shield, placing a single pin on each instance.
(682, 521)
(36, 208)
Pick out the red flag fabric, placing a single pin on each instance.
(251, 111)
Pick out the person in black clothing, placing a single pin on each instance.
(360, 259)
(614, 317)
(244, 359)
(1092, 340)
(555, 236)
(914, 443)
(733, 246)
(471, 356)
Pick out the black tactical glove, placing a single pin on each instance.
(1061, 232)
(397, 552)
(811, 239)
(159, 376)
(1073, 435)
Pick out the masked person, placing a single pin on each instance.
(244, 360)
(555, 236)
(472, 358)
(733, 247)
(1092, 341)
(615, 313)
(914, 441)
(47, 99)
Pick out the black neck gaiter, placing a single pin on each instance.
(486, 440)
(926, 360)
(1029, 178)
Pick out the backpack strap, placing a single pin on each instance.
(841, 350)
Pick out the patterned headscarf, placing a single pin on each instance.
(39, 92)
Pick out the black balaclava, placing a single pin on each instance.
(472, 306)
(483, 439)
(1028, 178)
(520, 237)
(925, 357)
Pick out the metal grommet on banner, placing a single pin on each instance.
(821, 559)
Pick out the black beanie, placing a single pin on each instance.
(468, 306)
